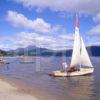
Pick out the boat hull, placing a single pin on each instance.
(82, 71)
(3, 62)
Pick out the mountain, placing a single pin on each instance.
(3, 53)
(36, 51)
(94, 50)
(31, 51)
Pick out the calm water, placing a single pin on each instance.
(35, 76)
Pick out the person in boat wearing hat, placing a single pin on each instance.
(66, 68)
(73, 69)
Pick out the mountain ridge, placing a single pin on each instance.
(36, 51)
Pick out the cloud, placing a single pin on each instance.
(59, 42)
(81, 6)
(38, 25)
(7, 43)
(24, 39)
(97, 18)
(95, 30)
(92, 40)
(94, 43)
(68, 36)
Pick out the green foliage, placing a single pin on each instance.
(2, 53)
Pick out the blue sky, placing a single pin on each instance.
(48, 24)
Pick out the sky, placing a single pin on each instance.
(48, 23)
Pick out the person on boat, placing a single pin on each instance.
(65, 66)
(73, 69)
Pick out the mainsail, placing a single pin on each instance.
(79, 55)
(76, 48)
(85, 60)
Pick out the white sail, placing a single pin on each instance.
(79, 55)
(76, 49)
(85, 60)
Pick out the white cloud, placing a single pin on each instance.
(67, 36)
(82, 6)
(60, 42)
(95, 30)
(38, 25)
(97, 18)
(24, 39)
(7, 42)
(94, 43)
(92, 40)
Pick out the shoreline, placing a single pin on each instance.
(15, 90)
(9, 92)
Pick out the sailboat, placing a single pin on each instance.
(80, 61)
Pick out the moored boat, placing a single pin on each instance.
(3, 62)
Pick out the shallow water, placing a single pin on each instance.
(35, 74)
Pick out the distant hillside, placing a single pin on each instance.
(35, 51)
(94, 50)
(2, 53)
(31, 51)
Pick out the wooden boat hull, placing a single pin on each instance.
(82, 71)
